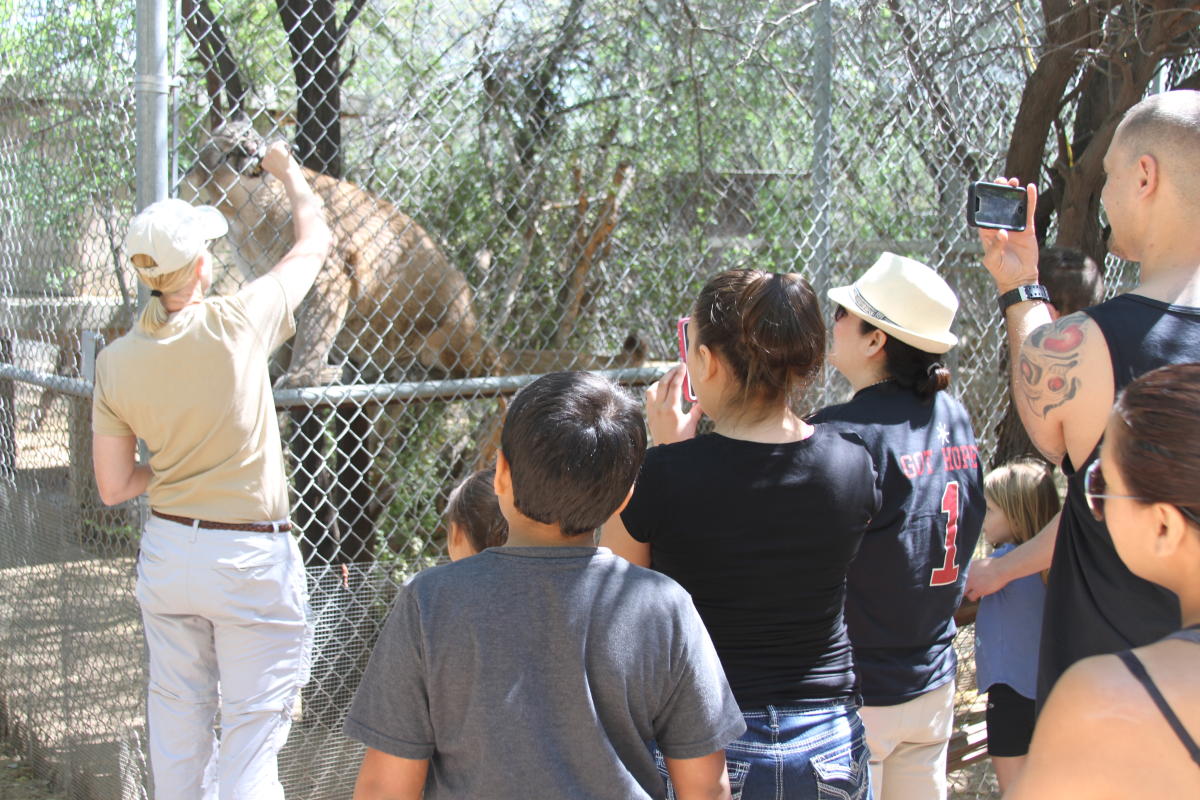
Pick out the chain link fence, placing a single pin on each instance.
(515, 187)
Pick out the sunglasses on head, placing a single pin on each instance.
(1093, 490)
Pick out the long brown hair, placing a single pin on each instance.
(767, 327)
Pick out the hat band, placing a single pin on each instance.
(870, 310)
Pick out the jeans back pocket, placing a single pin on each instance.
(843, 773)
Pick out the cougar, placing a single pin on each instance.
(387, 295)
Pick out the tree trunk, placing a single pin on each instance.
(313, 38)
(221, 74)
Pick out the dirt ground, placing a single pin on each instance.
(17, 780)
(974, 782)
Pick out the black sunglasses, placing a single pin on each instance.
(1093, 491)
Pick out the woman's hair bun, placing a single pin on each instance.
(767, 326)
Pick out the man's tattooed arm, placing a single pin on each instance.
(1047, 374)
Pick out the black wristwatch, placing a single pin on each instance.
(1032, 291)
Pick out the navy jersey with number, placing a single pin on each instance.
(907, 580)
(1094, 604)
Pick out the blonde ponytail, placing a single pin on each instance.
(155, 314)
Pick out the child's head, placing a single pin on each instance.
(573, 443)
(1074, 280)
(1021, 499)
(474, 516)
(766, 328)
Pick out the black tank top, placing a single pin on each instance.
(1094, 604)
(1134, 664)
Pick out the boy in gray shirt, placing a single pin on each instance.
(544, 668)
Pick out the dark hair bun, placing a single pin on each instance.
(767, 326)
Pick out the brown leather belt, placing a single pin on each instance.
(257, 527)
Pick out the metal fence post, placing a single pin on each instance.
(151, 85)
(822, 155)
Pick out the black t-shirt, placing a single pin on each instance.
(910, 572)
(1094, 604)
(761, 536)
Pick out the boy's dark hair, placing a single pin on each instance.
(574, 442)
(474, 508)
(1074, 280)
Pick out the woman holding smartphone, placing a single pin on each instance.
(1127, 725)
(759, 521)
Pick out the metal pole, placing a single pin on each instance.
(822, 142)
(151, 85)
(822, 156)
(357, 394)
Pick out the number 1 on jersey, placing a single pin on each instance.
(948, 572)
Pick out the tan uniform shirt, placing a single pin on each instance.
(197, 392)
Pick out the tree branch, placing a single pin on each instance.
(221, 73)
(584, 248)
(947, 125)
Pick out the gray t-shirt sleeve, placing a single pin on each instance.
(390, 711)
(700, 715)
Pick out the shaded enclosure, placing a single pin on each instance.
(515, 187)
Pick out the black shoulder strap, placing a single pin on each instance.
(1139, 671)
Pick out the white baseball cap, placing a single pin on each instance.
(173, 233)
(903, 298)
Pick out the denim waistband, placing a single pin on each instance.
(802, 707)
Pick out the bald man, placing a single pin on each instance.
(1066, 374)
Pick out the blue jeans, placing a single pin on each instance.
(816, 752)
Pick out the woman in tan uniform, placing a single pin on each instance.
(220, 580)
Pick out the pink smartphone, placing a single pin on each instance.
(682, 328)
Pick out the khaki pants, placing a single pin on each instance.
(225, 619)
(908, 744)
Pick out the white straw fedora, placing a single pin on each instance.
(903, 298)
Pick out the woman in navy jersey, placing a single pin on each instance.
(759, 521)
(1126, 725)
(891, 328)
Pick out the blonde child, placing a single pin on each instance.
(474, 517)
(1021, 500)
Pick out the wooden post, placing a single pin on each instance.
(8, 416)
(106, 530)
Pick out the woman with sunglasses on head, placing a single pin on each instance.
(891, 331)
(759, 521)
(1127, 725)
